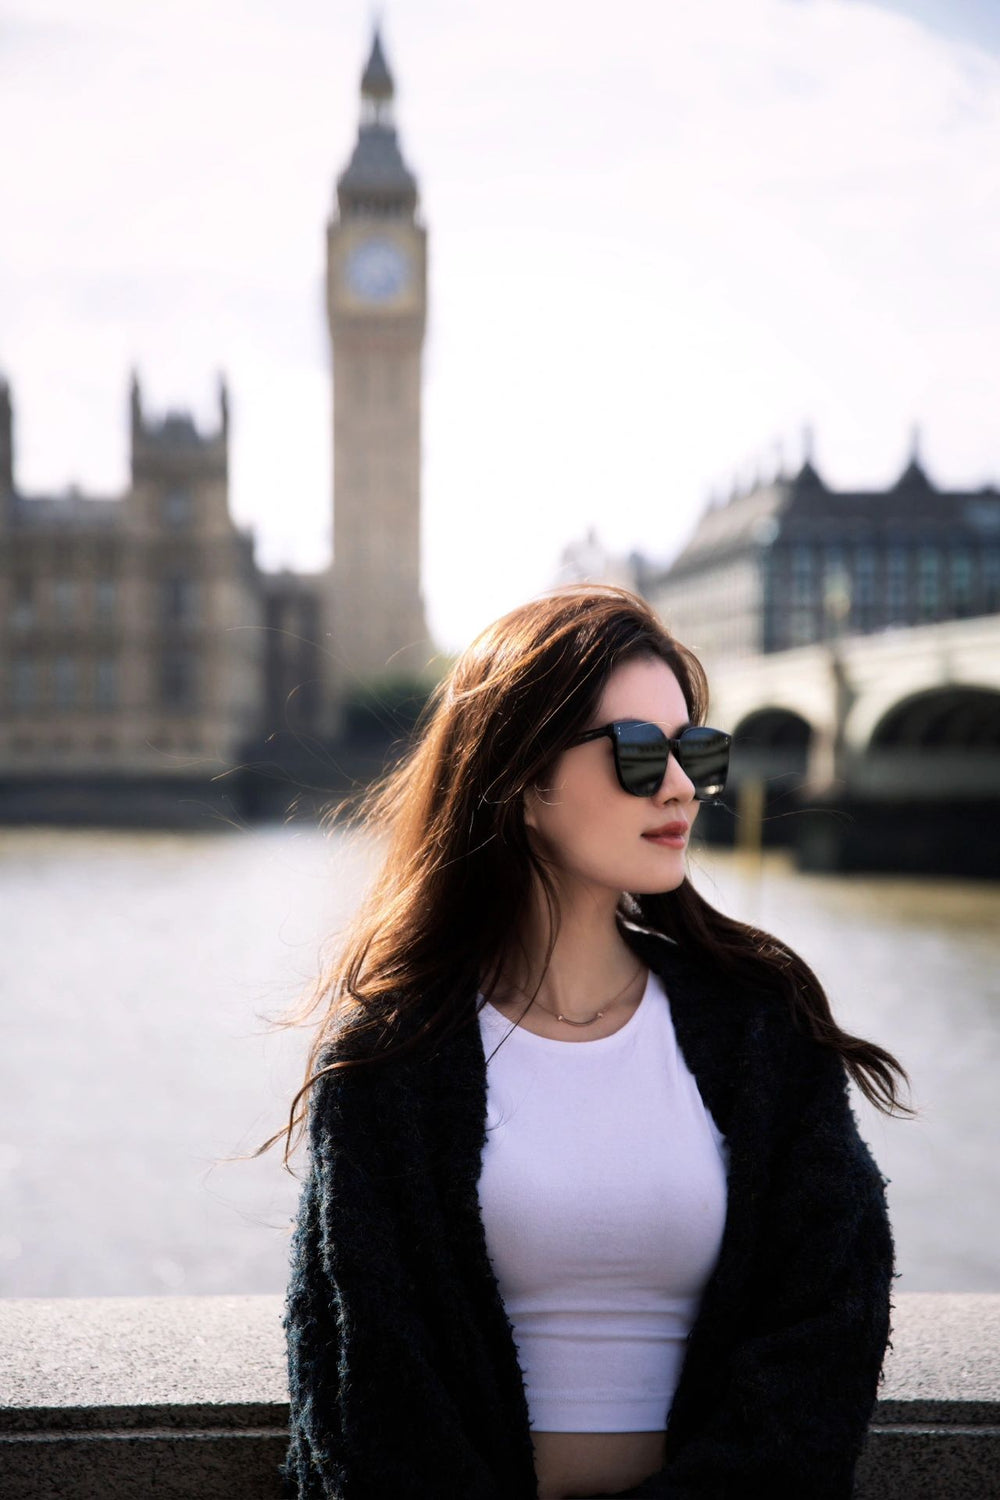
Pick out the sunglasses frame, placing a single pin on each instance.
(673, 747)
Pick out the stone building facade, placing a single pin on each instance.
(138, 637)
(129, 626)
(793, 562)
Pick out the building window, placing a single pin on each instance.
(837, 590)
(22, 610)
(897, 579)
(178, 687)
(865, 612)
(105, 596)
(106, 682)
(961, 581)
(64, 599)
(803, 575)
(23, 682)
(802, 627)
(865, 566)
(929, 583)
(773, 583)
(991, 579)
(177, 507)
(64, 681)
(179, 600)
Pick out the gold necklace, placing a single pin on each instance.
(568, 1019)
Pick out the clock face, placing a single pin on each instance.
(377, 270)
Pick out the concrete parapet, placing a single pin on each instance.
(184, 1398)
(125, 1398)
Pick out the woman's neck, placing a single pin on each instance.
(591, 964)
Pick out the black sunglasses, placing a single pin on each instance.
(642, 751)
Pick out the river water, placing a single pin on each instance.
(139, 972)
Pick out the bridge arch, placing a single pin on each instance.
(771, 745)
(942, 718)
(940, 743)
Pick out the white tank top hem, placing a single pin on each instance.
(603, 1196)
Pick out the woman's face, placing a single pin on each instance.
(588, 827)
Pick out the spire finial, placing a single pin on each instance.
(377, 86)
(914, 474)
(135, 400)
(807, 477)
(223, 403)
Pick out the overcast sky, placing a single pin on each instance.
(664, 236)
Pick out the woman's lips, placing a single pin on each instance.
(673, 835)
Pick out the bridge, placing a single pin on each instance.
(882, 750)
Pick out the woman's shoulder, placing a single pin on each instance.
(379, 1053)
(692, 975)
(741, 1022)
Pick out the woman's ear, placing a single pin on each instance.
(528, 805)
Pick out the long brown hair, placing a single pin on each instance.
(458, 871)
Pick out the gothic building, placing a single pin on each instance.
(140, 644)
(123, 621)
(792, 562)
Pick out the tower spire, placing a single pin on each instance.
(223, 388)
(377, 181)
(135, 398)
(807, 476)
(914, 475)
(377, 86)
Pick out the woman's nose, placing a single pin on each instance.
(676, 785)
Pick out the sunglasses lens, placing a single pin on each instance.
(703, 755)
(642, 752)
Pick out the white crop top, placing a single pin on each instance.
(603, 1197)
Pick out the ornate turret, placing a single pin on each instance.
(808, 478)
(172, 446)
(914, 476)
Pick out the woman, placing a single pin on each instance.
(587, 1212)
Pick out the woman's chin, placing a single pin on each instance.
(662, 884)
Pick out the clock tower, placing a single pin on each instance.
(377, 304)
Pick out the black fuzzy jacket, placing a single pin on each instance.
(403, 1373)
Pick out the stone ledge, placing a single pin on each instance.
(185, 1398)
